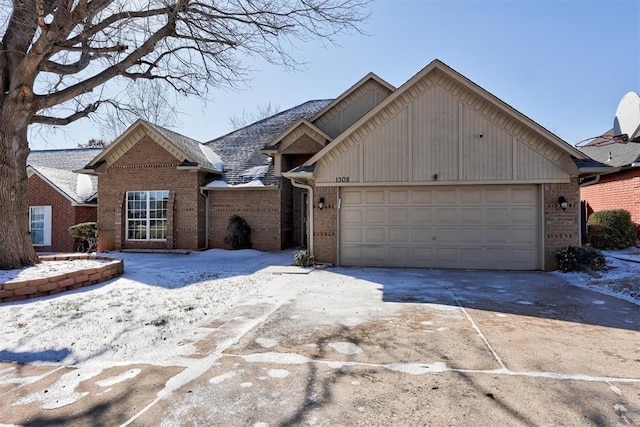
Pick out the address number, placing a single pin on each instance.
(342, 179)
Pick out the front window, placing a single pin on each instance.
(147, 215)
(40, 225)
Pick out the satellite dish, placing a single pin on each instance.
(627, 119)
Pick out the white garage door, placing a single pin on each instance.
(477, 227)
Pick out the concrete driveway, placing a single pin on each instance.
(378, 347)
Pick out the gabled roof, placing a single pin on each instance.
(77, 188)
(190, 152)
(612, 154)
(305, 126)
(345, 94)
(240, 149)
(479, 91)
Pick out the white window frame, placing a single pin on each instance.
(46, 224)
(146, 220)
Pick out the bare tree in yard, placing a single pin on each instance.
(57, 55)
(94, 143)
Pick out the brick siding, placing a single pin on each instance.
(615, 191)
(325, 221)
(261, 209)
(147, 167)
(561, 228)
(63, 213)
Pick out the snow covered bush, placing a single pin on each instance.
(239, 233)
(611, 229)
(303, 259)
(573, 258)
(86, 235)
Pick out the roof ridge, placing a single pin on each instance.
(268, 118)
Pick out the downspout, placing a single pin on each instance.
(310, 207)
(206, 219)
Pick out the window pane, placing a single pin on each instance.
(36, 224)
(142, 205)
(157, 229)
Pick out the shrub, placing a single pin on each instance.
(303, 259)
(611, 229)
(86, 235)
(239, 233)
(573, 258)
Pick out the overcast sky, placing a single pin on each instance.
(565, 64)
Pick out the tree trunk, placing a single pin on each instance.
(16, 250)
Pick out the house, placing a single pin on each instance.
(435, 173)
(619, 189)
(58, 197)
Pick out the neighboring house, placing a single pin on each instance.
(436, 173)
(617, 190)
(59, 198)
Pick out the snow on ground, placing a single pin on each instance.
(49, 269)
(621, 277)
(164, 303)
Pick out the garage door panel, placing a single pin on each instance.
(399, 235)
(375, 216)
(350, 216)
(421, 215)
(351, 197)
(374, 197)
(375, 235)
(423, 235)
(398, 197)
(399, 216)
(352, 235)
(421, 197)
(471, 215)
(446, 215)
(480, 227)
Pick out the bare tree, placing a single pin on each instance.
(144, 99)
(94, 143)
(57, 55)
(237, 121)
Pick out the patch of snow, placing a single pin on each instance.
(261, 424)
(213, 157)
(49, 269)
(246, 385)
(616, 390)
(619, 407)
(355, 382)
(427, 322)
(278, 373)
(597, 302)
(345, 348)
(279, 358)
(253, 183)
(266, 342)
(256, 172)
(84, 187)
(417, 369)
(222, 377)
(523, 302)
(132, 373)
(217, 184)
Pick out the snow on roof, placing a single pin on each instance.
(66, 159)
(223, 184)
(78, 187)
(256, 172)
(240, 149)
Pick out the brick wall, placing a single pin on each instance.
(615, 191)
(561, 228)
(325, 236)
(259, 207)
(146, 167)
(63, 214)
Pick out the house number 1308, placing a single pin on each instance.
(342, 179)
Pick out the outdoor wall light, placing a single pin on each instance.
(321, 203)
(563, 203)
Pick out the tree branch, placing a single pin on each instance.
(61, 121)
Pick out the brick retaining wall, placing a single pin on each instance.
(19, 290)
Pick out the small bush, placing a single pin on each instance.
(611, 229)
(86, 235)
(573, 258)
(303, 259)
(239, 233)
